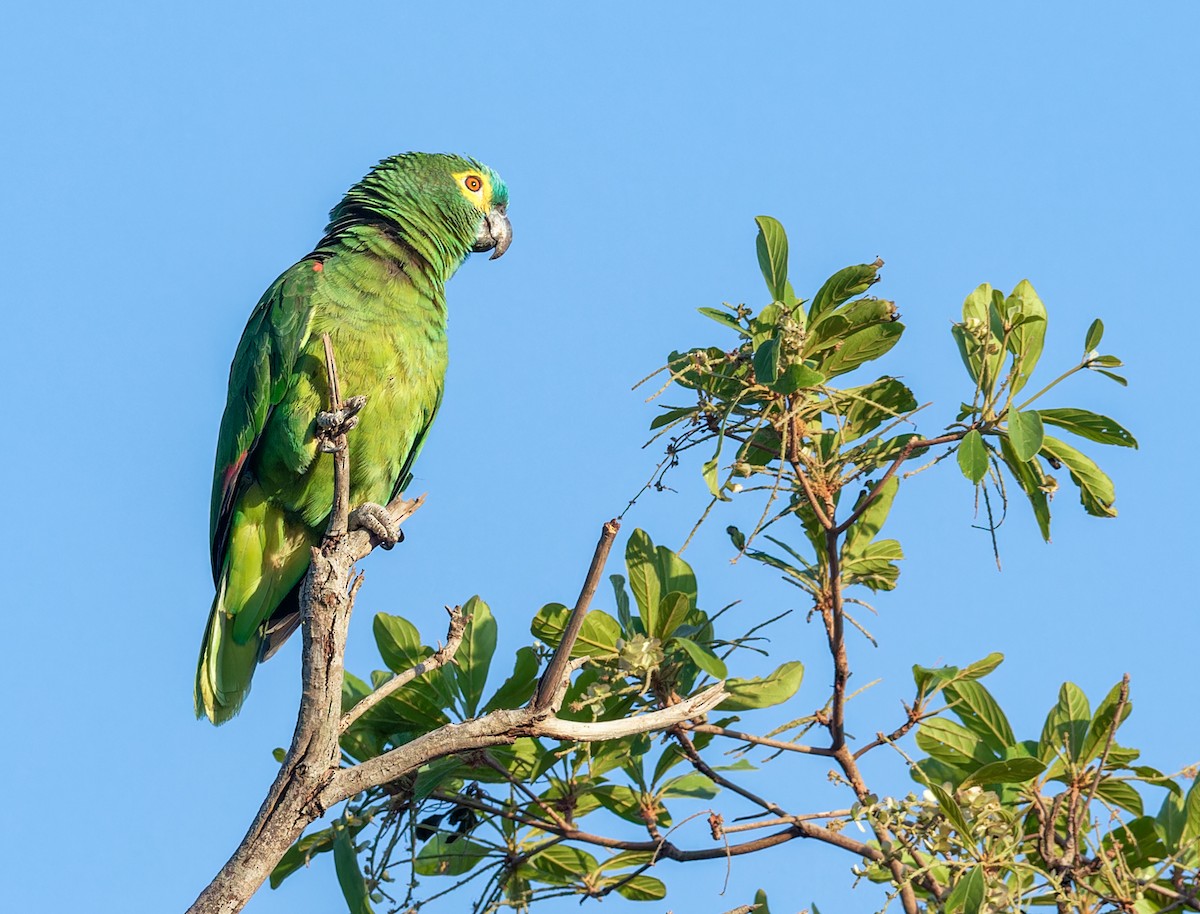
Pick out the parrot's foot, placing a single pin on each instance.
(375, 520)
(332, 424)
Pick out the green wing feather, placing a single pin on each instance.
(262, 367)
(259, 377)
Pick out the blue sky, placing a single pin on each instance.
(162, 164)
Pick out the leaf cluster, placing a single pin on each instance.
(504, 813)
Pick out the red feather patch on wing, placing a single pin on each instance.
(229, 482)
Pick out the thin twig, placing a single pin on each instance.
(340, 514)
(785, 820)
(704, 768)
(521, 787)
(915, 715)
(665, 849)
(1123, 697)
(454, 637)
(757, 740)
(915, 443)
(549, 684)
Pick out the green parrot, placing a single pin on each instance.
(376, 285)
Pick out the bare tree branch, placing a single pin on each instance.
(549, 684)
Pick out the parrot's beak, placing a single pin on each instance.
(495, 233)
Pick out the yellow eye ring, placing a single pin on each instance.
(473, 183)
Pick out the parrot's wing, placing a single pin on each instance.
(258, 378)
(405, 476)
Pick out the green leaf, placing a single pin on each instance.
(627, 859)
(705, 659)
(1157, 778)
(641, 563)
(763, 692)
(621, 801)
(973, 456)
(399, 642)
(674, 574)
(772, 245)
(764, 326)
(641, 888)
(443, 857)
(1116, 377)
(1009, 771)
(871, 521)
(709, 472)
(519, 687)
(434, 775)
(844, 285)
(672, 415)
(766, 361)
(1191, 813)
(1094, 334)
(672, 755)
(981, 315)
(299, 854)
(968, 894)
(474, 656)
(1102, 724)
(563, 864)
(624, 616)
(653, 572)
(1027, 338)
(1140, 843)
(953, 743)
(981, 714)
(832, 329)
(861, 410)
(1025, 433)
(694, 786)
(929, 771)
(968, 351)
(1105, 361)
(983, 666)
(1096, 491)
(1171, 819)
(951, 810)
(525, 759)
(597, 636)
(1029, 476)
(1120, 794)
(1092, 426)
(797, 377)
(724, 318)
(349, 876)
(1066, 725)
(874, 566)
(673, 610)
(862, 347)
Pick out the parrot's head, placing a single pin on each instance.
(443, 206)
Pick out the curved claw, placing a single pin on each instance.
(375, 520)
(331, 424)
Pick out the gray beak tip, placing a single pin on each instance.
(495, 234)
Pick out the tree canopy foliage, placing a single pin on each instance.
(1068, 817)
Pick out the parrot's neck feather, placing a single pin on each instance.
(434, 240)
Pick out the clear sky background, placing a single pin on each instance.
(163, 163)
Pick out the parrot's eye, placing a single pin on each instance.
(473, 183)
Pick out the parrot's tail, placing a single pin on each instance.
(225, 669)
